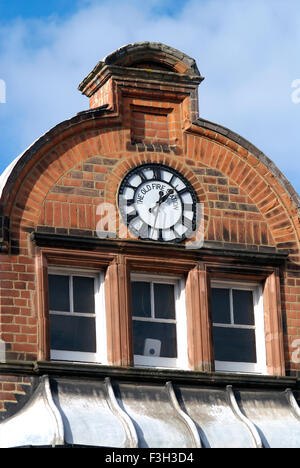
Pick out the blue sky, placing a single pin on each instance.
(36, 8)
(248, 52)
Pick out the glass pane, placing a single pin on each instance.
(164, 301)
(243, 307)
(220, 305)
(84, 294)
(154, 339)
(59, 298)
(141, 299)
(234, 344)
(71, 333)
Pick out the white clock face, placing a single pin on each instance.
(157, 203)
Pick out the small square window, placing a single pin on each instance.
(159, 322)
(238, 327)
(77, 316)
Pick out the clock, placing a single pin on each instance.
(157, 203)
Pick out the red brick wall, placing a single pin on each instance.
(63, 190)
(13, 389)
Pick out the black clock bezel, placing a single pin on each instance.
(189, 188)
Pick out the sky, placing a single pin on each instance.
(248, 52)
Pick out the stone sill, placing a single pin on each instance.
(153, 375)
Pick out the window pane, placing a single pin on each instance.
(155, 339)
(220, 305)
(71, 333)
(84, 294)
(164, 301)
(234, 344)
(59, 298)
(141, 299)
(243, 307)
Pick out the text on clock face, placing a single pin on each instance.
(158, 205)
(140, 196)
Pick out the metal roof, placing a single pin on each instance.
(71, 411)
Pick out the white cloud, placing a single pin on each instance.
(248, 52)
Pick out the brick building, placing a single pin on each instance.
(150, 274)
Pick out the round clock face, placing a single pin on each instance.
(158, 203)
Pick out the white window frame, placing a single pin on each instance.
(180, 320)
(260, 367)
(100, 356)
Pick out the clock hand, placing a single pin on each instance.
(156, 207)
(161, 194)
(162, 199)
(155, 219)
(165, 197)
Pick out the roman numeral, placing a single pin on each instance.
(128, 185)
(157, 173)
(173, 230)
(180, 192)
(142, 176)
(172, 180)
(131, 217)
(129, 201)
(187, 222)
(144, 231)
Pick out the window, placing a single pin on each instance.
(77, 317)
(181, 314)
(159, 322)
(238, 327)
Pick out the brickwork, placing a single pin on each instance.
(62, 179)
(104, 96)
(70, 202)
(69, 205)
(149, 127)
(13, 392)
